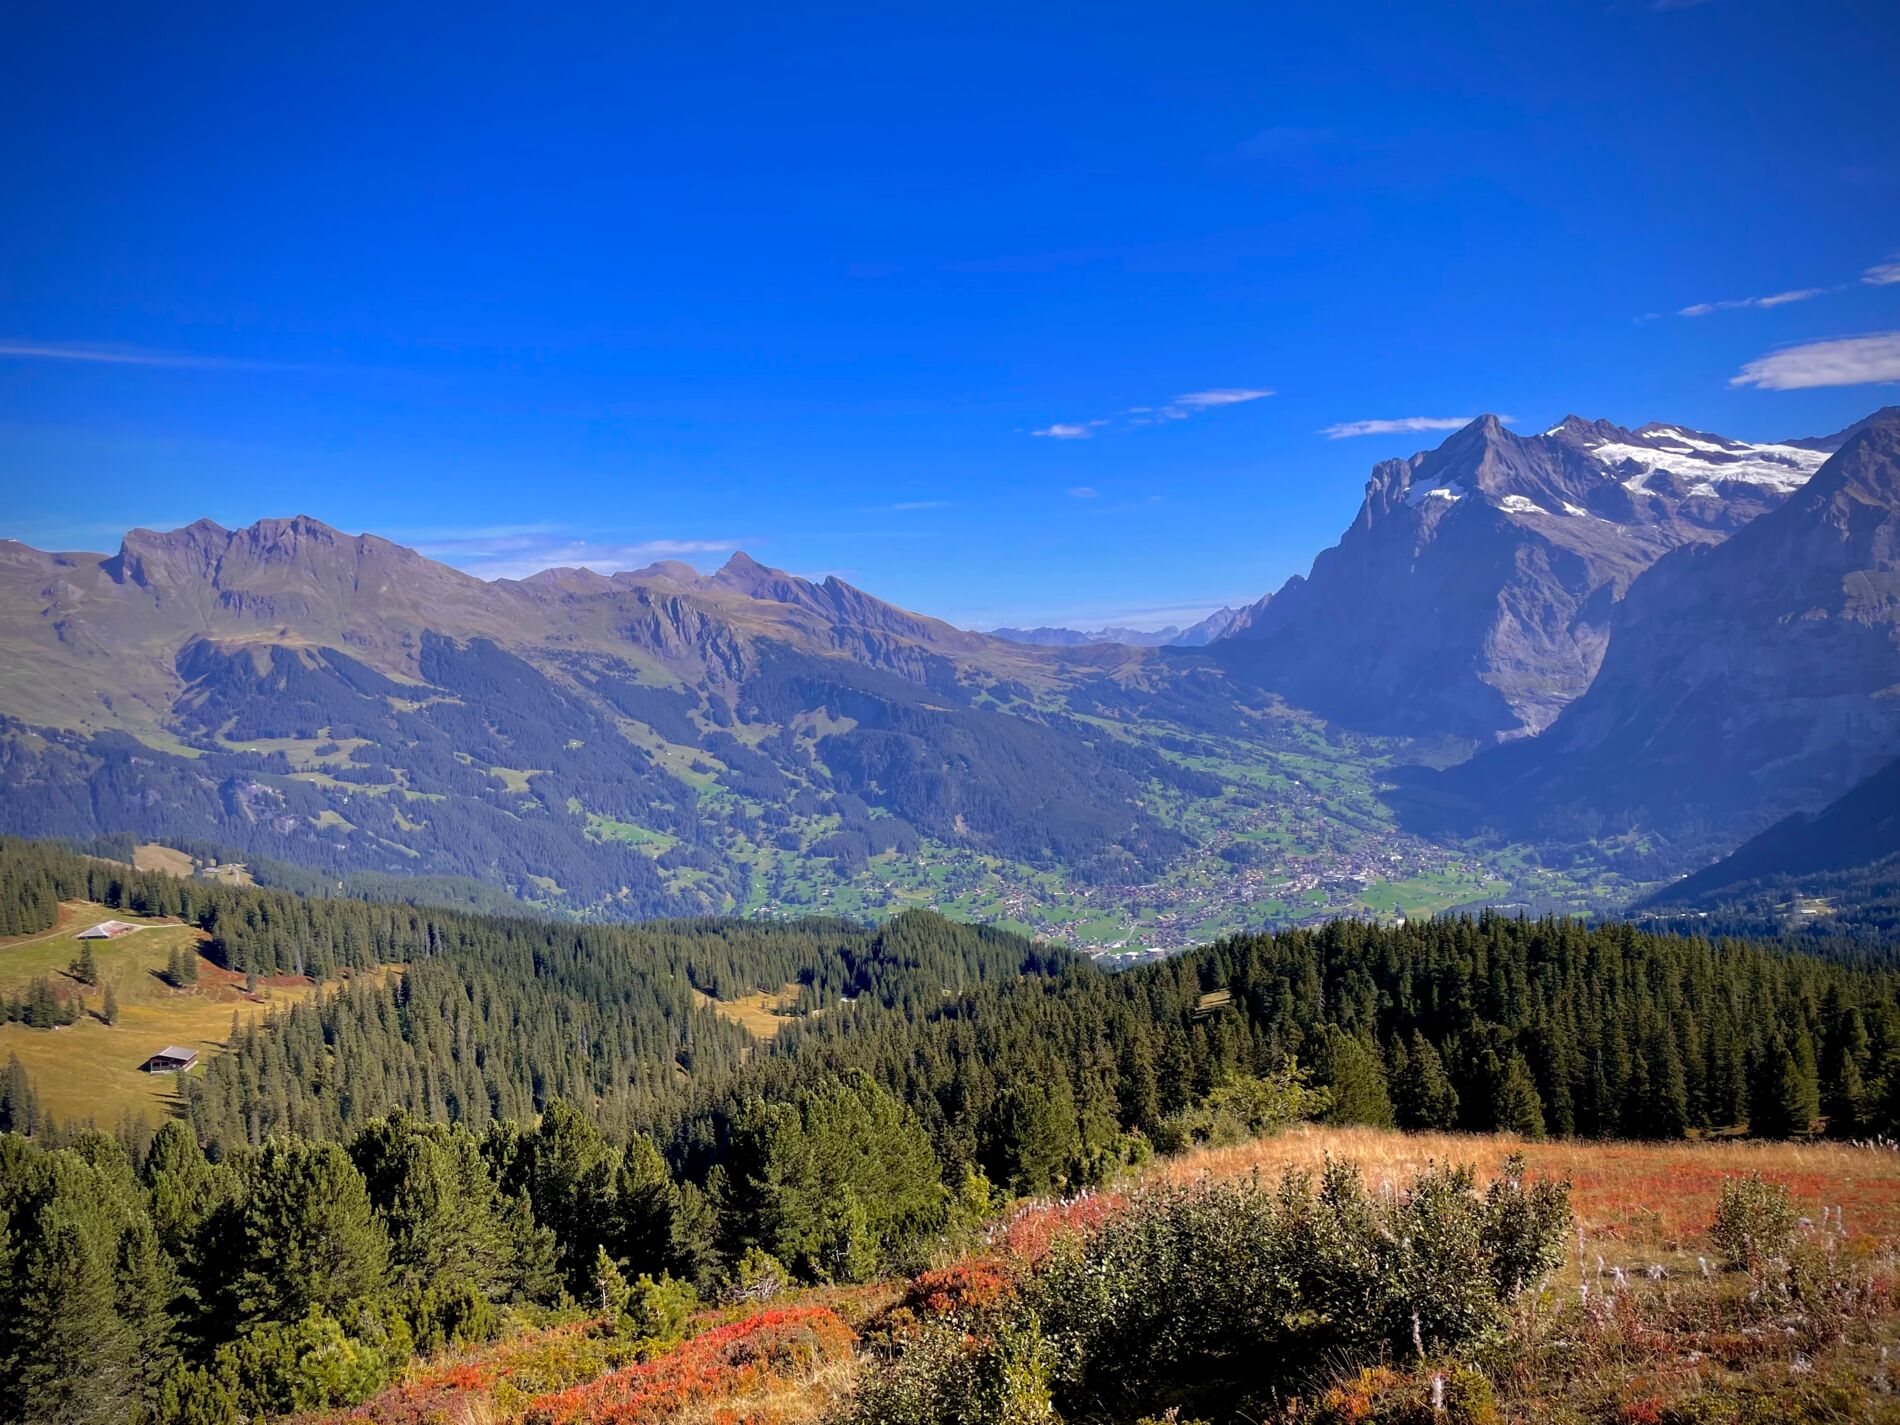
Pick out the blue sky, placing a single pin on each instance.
(591, 285)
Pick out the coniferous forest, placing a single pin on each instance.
(530, 1112)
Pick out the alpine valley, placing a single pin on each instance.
(1555, 671)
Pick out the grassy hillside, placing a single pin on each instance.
(89, 1070)
(1628, 1328)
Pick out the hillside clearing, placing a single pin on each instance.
(762, 1014)
(89, 1070)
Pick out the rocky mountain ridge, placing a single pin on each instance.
(1473, 593)
(1196, 635)
(1742, 680)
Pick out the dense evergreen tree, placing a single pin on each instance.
(1519, 1108)
(309, 1238)
(831, 1181)
(1349, 1067)
(1782, 1098)
(1035, 1139)
(85, 1294)
(1846, 1061)
(440, 1204)
(1422, 1093)
(19, 1105)
(566, 1168)
(647, 1228)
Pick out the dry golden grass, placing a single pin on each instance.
(1634, 1205)
(1660, 1196)
(89, 1070)
(762, 1014)
(171, 862)
(803, 1401)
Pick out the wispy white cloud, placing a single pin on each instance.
(1194, 402)
(1178, 409)
(903, 505)
(1776, 299)
(1845, 361)
(1221, 396)
(514, 552)
(1396, 426)
(1883, 274)
(19, 349)
(1082, 492)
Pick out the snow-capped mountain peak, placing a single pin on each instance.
(1701, 463)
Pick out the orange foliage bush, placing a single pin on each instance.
(1028, 1233)
(770, 1348)
(960, 1289)
(463, 1386)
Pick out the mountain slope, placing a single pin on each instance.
(1742, 681)
(1473, 593)
(648, 742)
(1856, 830)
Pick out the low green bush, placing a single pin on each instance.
(1754, 1223)
(1220, 1298)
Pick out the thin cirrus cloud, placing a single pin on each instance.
(1180, 408)
(1399, 425)
(17, 349)
(1881, 274)
(1845, 361)
(1776, 299)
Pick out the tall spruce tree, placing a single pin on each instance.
(1423, 1096)
(1782, 1100)
(436, 1197)
(308, 1238)
(646, 1224)
(1846, 1095)
(1518, 1107)
(1350, 1068)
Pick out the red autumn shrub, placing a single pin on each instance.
(1028, 1234)
(959, 1290)
(768, 1349)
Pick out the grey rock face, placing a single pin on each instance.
(1742, 681)
(1473, 594)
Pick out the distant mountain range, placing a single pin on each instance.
(1195, 635)
(1657, 640)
